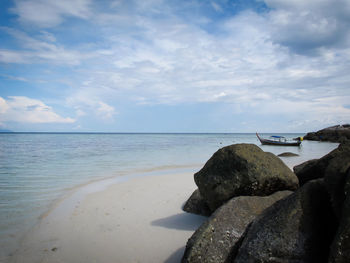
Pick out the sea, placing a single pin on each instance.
(38, 169)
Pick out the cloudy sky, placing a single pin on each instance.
(174, 65)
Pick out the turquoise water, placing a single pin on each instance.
(38, 168)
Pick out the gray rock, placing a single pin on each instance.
(298, 228)
(288, 154)
(338, 133)
(242, 169)
(315, 169)
(335, 177)
(197, 205)
(340, 248)
(334, 168)
(304, 166)
(213, 241)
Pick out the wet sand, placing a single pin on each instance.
(136, 219)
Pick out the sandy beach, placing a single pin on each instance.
(130, 218)
(134, 219)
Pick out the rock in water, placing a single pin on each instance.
(288, 154)
(338, 133)
(213, 241)
(197, 205)
(242, 169)
(298, 228)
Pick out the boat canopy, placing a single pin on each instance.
(274, 136)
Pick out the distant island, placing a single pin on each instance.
(5, 130)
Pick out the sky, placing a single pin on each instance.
(174, 65)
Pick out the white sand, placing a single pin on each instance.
(137, 220)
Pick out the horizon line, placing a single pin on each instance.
(98, 132)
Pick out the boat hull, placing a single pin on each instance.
(278, 143)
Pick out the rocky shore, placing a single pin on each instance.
(338, 133)
(260, 211)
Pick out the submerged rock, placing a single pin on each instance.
(197, 205)
(288, 154)
(242, 169)
(298, 228)
(213, 241)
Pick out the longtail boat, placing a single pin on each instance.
(279, 141)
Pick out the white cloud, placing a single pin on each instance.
(216, 6)
(243, 65)
(35, 50)
(3, 106)
(287, 59)
(48, 13)
(306, 26)
(26, 110)
(12, 56)
(86, 104)
(105, 111)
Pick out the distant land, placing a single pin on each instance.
(5, 130)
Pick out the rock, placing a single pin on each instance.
(335, 176)
(338, 133)
(314, 169)
(197, 205)
(213, 241)
(288, 154)
(340, 248)
(334, 168)
(304, 165)
(298, 228)
(242, 169)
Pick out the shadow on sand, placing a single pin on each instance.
(182, 221)
(176, 256)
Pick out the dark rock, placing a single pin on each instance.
(315, 169)
(335, 177)
(304, 166)
(338, 133)
(213, 241)
(242, 169)
(197, 205)
(340, 248)
(288, 154)
(298, 228)
(334, 168)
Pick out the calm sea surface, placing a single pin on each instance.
(38, 168)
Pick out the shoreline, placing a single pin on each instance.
(67, 205)
(59, 230)
(100, 184)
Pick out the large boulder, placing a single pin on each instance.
(334, 168)
(338, 133)
(316, 168)
(340, 248)
(213, 241)
(298, 228)
(242, 169)
(197, 205)
(304, 167)
(335, 177)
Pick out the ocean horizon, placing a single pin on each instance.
(39, 168)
